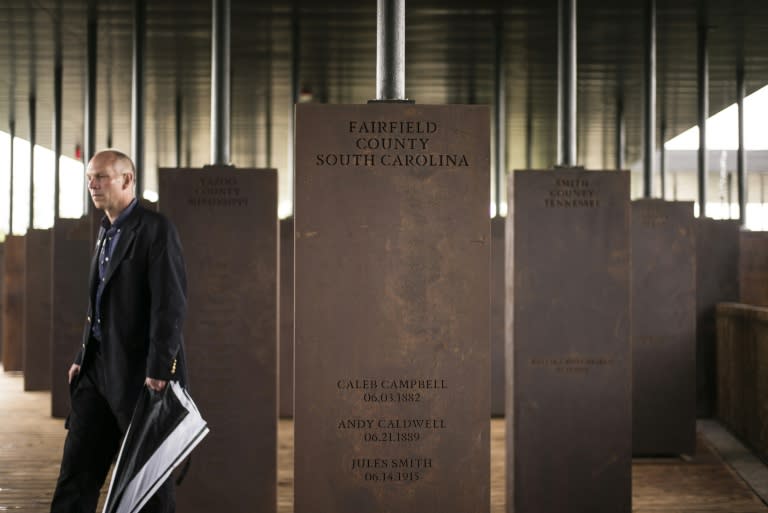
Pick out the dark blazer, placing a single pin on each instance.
(142, 310)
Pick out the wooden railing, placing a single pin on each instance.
(742, 372)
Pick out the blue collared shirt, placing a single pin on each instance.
(107, 245)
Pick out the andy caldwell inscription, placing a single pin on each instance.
(392, 143)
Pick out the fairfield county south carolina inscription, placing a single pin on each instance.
(391, 144)
(572, 193)
(217, 191)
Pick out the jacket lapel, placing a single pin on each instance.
(95, 262)
(128, 233)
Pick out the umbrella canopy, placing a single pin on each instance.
(164, 429)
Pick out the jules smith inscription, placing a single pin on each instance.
(572, 193)
(391, 469)
(391, 144)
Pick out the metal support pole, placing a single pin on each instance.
(57, 106)
(12, 128)
(220, 86)
(32, 142)
(621, 131)
(529, 135)
(500, 120)
(295, 86)
(137, 92)
(566, 79)
(89, 139)
(57, 98)
(663, 159)
(295, 57)
(90, 80)
(741, 171)
(649, 104)
(702, 80)
(179, 114)
(110, 88)
(11, 112)
(32, 113)
(390, 50)
(268, 97)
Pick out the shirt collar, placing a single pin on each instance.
(120, 218)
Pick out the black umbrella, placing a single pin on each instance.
(164, 429)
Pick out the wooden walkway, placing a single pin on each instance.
(31, 443)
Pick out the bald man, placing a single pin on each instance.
(132, 336)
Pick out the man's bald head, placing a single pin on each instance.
(117, 160)
(111, 181)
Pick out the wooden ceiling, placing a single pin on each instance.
(449, 53)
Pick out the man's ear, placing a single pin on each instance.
(127, 180)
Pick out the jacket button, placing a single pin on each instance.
(89, 318)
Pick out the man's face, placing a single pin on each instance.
(106, 186)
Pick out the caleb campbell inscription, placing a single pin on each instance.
(392, 143)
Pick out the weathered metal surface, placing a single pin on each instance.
(569, 399)
(72, 251)
(663, 328)
(286, 318)
(36, 361)
(717, 280)
(13, 302)
(227, 221)
(753, 268)
(392, 313)
(498, 300)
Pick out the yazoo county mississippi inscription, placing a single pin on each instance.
(392, 143)
(218, 192)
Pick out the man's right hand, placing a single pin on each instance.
(73, 371)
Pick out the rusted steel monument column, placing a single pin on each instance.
(36, 351)
(569, 359)
(663, 328)
(227, 221)
(392, 300)
(71, 253)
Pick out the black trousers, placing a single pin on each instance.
(91, 446)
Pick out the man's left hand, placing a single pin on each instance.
(155, 384)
